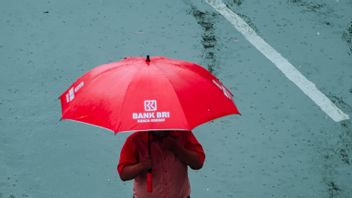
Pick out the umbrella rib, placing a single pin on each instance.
(124, 100)
(108, 70)
(185, 116)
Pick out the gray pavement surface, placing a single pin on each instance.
(283, 145)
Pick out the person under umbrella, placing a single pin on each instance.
(172, 153)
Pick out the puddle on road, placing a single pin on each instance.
(233, 2)
(206, 20)
(308, 5)
(338, 101)
(233, 5)
(333, 190)
(347, 37)
(249, 22)
(340, 152)
(344, 147)
(210, 45)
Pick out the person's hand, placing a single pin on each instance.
(146, 164)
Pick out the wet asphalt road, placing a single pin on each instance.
(283, 145)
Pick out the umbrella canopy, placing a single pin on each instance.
(139, 94)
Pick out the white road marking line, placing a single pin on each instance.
(280, 62)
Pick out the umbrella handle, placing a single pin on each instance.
(149, 181)
(149, 173)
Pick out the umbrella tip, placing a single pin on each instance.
(148, 59)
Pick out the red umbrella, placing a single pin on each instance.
(139, 94)
(144, 94)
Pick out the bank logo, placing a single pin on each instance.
(71, 93)
(150, 113)
(150, 105)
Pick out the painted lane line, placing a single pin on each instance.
(280, 62)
